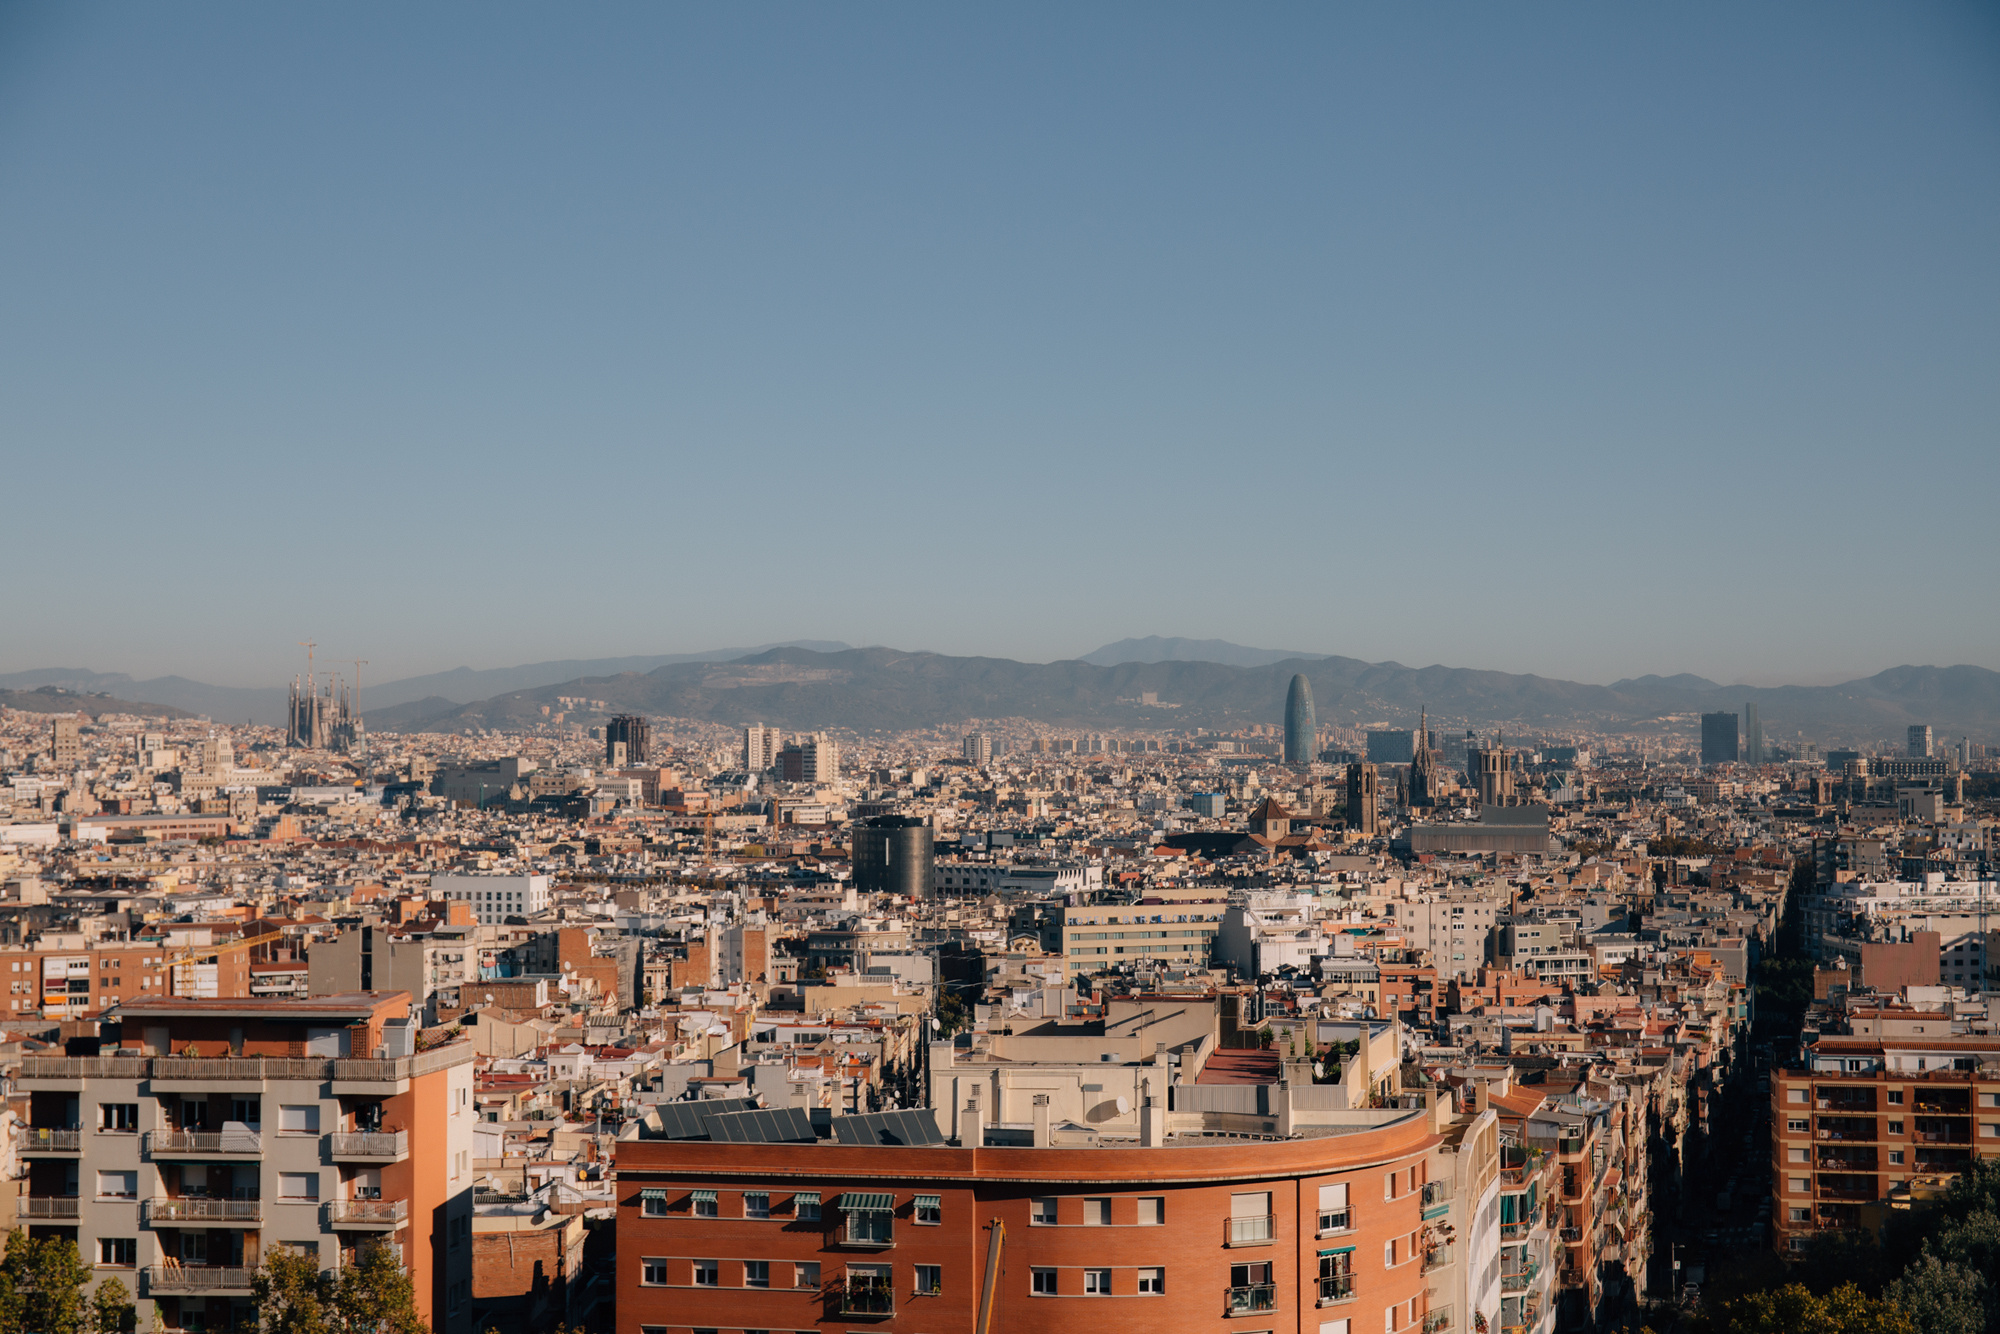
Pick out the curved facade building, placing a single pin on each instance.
(1338, 1231)
(892, 855)
(1301, 728)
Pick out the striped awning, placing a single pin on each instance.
(652, 1193)
(806, 1197)
(865, 1201)
(930, 1201)
(702, 1196)
(1338, 1250)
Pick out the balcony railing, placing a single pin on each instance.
(204, 1141)
(1519, 1280)
(185, 1209)
(1253, 1297)
(1336, 1288)
(1436, 1193)
(38, 1139)
(1248, 1231)
(1437, 1320)
(84, 1067)
(868, 1299)
(198, 1278)
(239, 1069)
(1439, 1257)
(1572, 1235)
(367, 1211)
(49, 1206)
(372, 1144)
(1335, 1220)
(386, 1070)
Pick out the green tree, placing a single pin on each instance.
(112, 1310)
(1941, 1297)
(294, 1296)
(1793, 1309)
(375, 1296)
(41, 1286)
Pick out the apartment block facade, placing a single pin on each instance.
(206, 1132)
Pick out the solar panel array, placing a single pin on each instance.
(689, 1120)
(909, 1126)
(776, 1125)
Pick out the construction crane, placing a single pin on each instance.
(183, 964)
(996, 1239)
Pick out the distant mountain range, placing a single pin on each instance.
(820, 685)
(54, 699)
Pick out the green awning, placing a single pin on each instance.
(650, 1193)
(702, 1196)
(1338, 1250)
(863, 1201)
(930, 1201)
(806, 1197)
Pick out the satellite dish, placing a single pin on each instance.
(1124, 1104)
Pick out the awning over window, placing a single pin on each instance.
(806, 1197)
(930, 1201)
(862, 1201)
(703, 1196)
(1338, 1250)
(651, 1193)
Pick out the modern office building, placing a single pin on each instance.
(1364, 805)
(893, 855)
(1855, 1119)
(1301, 727)
(977, 748)
(1920, 741)
(1718, 739)
(738, 1218)
(634, 733)
(207, 1132)
(494, 896)
(1391, 747)
(1753, 735)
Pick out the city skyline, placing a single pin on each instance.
(1660, 298)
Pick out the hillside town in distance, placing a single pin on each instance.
(645, 1024)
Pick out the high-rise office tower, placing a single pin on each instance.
(636, 734)
(977, 748)
(1300, 725)
(1753, 735)
(1718, 738)
(1920, 741)
(761, 746)
(65, 743)
(1364, 802)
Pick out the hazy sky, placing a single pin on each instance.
(1582, 340)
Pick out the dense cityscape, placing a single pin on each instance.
(637, 1022)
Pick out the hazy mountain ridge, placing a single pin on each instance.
(1154, 648)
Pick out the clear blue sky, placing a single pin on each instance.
(1584, 340)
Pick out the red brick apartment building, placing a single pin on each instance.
(1168, 1232)
(1857, 1119)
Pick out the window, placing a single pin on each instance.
(1097, 1212)
(1895, 1127)
(1250, 1218)
(1152, 1282)
(119, 1118)
(1797, 1215)
(1336, 1327)
(1895, 1157)
(1042, 1282)
(1800, 1185)
(298, 1119)
(653, 1203)
(805, 1275)
(1250, 1288)
(1097, 1282)
(653, 1273)
(1989, 1100)
(1795, 1155)
(930, 1210)
(1333, 1214)
(756, 1273)
(117, 1185)
(930, 1280)
(1152, 1210)
(707, 1274)
(1895, 1097)
(1389, 1186)
(870, 1221)
(1389, 1254)
(1389, 1320)
(704, 1204)
(1795, 1096)
(1796, 1126)
(756, 1204)
(805, 1206)
(298, 1185)
(118, 1252)
(1042, 1210)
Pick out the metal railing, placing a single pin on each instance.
(198, 1278)
(1335, 1220)
(84, 1067)
(1255, 1231)
(1572, 1235)
(1520, 1280)
(1253, 1297)
(1439, 1258)
(1436, 1192)
(868, 1299)
(240, 1069)
(372, 1144)
(383, 1070)
(38, 1139)
(1336, 1288)
(49, 1206)
(367, 1211)
(1437, 1319)
(185, 1209)
(204, 1141)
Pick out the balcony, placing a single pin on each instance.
(83, 1067)
(870, 1299)
(384, 1077)
(49, 1206)
(1336, 1288)
(195, 1073)
(371, 1146)
(191, 1211)
(1571, 1236)
(1255, 1231)
(1438, 1320)
(199, 1280)
(383, 1214)
(1439, 1257)
(36, 1139)
(204, 1143)
(1250, 1299)
(1519, 1280)
(1437, 1198)
(1335, 1220)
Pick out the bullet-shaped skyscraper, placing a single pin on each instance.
(1301, 728)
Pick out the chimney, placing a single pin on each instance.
(972, 1124)
(1043, 1138)
(1152, 1119)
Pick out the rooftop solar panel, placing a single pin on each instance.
(777, 1125)
(909, 1126)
